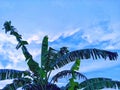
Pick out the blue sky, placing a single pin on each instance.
(76, 24)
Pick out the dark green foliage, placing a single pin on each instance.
(17, 83)
(44, 51)
(63, 50)
(34, 66)
(11, 74)
(99, 83)
(7, 26)
(84, 54)
(38, 87)
(22, 43)
(26, 53)
(67, 73)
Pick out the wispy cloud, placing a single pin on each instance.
(7, 38)
(71, 32)
(37, 38)
(8, 52)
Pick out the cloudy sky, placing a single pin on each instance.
(76, 24)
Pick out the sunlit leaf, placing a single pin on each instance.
(76, 65)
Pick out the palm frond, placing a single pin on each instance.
(11, 74)
(99, 83)
(67, 73)
(38, 87)
(84, 54)
(17, 83)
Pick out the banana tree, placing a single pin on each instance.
(38, 76)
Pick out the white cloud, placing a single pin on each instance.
(8, 51)
(33, 38)
(97, 34)
(36, 37)
(7, 38)
(1, 66)
(66, 33)
(110, 47)
(4, 83)
(94, 35)
(15, 57)
(70, 32)
(54, 37)
(19, 66)
(109, 36)
(35, 52)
